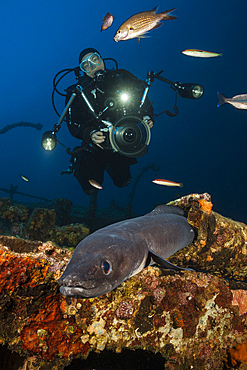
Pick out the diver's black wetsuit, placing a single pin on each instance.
(92, 161)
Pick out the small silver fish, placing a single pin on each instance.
(95, 184)
(200, 53)
(140, 23)
(167, 182)
(107, 21)
(238, 101)
(25, 178)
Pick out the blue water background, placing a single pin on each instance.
(203, 146)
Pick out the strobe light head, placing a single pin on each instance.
(49, 141)
(190, 90)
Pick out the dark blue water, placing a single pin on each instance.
(203, 146)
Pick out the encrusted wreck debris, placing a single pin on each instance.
(40, 224)
(195, 320)
(221, 245)
(6, 128)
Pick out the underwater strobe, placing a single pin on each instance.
(190, 90)
(49, 140)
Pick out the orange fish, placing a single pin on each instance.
(95, 184)
(167, 183)
(107, 21)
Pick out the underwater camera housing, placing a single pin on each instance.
(129, 135)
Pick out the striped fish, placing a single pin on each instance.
(140, 23)
(238, 101)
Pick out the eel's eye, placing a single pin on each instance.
(106, 267)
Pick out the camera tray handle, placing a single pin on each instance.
(107, 123)
(149, 80)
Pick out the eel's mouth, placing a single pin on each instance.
(74, 286)
(74, 291)
(83, 289)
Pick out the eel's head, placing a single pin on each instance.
(98, 265)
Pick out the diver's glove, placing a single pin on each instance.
(97, 138)
(148, 120)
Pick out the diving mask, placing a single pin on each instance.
(90, 62)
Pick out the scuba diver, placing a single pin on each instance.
(103, 90)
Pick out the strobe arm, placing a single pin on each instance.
(57, 125)
(185, 90)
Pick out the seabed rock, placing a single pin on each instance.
(195, 320)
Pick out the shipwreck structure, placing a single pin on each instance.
(192, 320)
